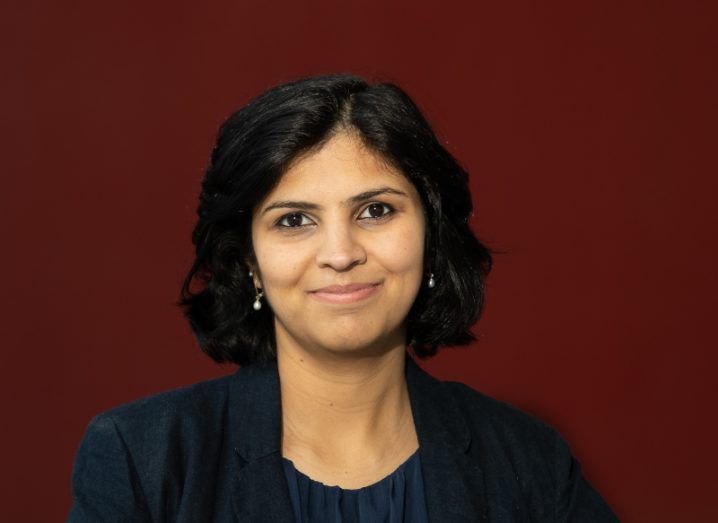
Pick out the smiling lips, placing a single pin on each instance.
(345, 293)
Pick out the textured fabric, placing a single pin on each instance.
(397, 498)
(212, 452)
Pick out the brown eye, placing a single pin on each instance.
(293, 220)
(376, 210)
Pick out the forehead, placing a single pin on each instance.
(341, 168)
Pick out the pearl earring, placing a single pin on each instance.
(258, 304)
(432, 282)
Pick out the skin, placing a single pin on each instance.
(346, 414)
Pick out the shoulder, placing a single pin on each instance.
(490, 426)
(192, 404)
(483, 411)
(157, 430)
(521, 453)
(502, 433)
(137, 456)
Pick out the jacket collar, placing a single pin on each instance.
(453, 486)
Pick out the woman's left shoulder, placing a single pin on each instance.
(505, 438)
(484, 412)
(508, 433)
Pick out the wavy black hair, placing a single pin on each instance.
(254, 148)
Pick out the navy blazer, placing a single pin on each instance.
(212, 452)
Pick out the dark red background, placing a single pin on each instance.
(589, 129)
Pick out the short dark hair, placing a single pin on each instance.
(254, 148)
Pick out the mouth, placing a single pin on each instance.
(340, 294)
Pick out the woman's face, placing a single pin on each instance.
(339, 247)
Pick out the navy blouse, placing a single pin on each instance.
(397, 498)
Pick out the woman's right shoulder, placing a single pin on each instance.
(133, 456)
(194, 404)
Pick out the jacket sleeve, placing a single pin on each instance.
(576, 499)
(105, 485)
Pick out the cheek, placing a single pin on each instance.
(281, 267)
(402, 253)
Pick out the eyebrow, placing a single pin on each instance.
(309, 206)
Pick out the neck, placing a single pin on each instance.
(345, 410)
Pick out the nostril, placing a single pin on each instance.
(340, 253)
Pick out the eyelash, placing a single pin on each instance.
(389, 212)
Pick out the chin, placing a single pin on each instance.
(360, 350)
(357, 342)
(353, 335)
(345, 342)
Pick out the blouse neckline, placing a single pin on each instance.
(375, 485)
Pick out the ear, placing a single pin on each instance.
(252, 268)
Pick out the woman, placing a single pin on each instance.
(332, 237)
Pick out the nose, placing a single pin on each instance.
(340, 248)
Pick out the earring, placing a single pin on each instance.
(432, 282)
(258, 304)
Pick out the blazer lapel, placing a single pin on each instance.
(453, 486)
(260, 491)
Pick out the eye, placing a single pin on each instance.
(376, 211)
(294, 220)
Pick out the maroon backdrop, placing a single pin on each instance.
(589, 132)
